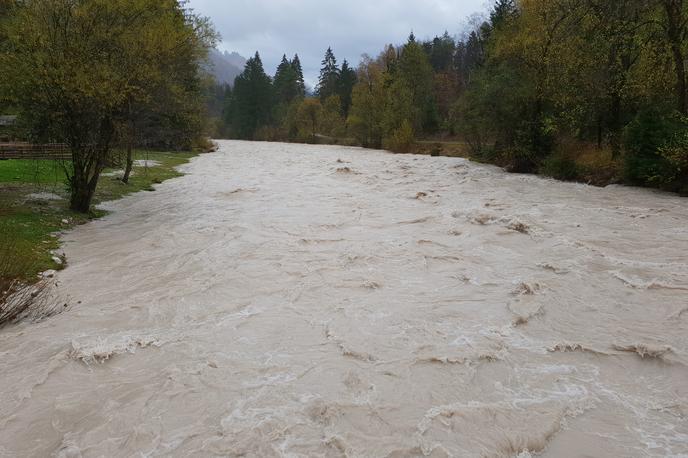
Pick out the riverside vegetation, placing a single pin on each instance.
(575, 89)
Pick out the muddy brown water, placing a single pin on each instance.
(290, 300)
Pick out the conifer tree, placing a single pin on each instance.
(300, 81)
(286, 83)
(347, 81)
(252, 100)
(328, 83)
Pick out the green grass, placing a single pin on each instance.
(41, 172)
(27, 225)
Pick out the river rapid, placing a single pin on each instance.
(291, 300)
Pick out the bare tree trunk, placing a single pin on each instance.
(129, 165)
(89, 161)
(81, 198)
(130, 146)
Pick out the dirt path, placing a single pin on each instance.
(290, 300)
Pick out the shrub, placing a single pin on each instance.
(402, 139)
(675, 151)
(560, 167)
(648, 134)
(486, 155)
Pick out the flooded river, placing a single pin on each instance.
(290, 300)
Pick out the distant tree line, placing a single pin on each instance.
(104, 74)
(277, 108)
(568, 88)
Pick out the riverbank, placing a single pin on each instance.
(34, 206)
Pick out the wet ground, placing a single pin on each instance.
(290, 300)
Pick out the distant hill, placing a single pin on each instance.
(225, 66)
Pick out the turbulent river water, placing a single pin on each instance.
(290, 300)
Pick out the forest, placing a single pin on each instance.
(585, 90)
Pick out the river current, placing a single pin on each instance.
(291, 300)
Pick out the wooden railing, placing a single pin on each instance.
(56, 151)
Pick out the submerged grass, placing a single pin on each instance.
(34, 206)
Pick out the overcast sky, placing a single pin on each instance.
(308, 27)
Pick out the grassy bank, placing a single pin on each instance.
(34, 206)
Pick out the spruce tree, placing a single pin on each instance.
(347, 81)
(286, 83)
(502, 11)
(442, 52)
(328, 83)
(300, 81)
(252, 100)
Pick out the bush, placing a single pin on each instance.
(486, 155)
(402, 138)
(269, 134)
(644, 138)
(533, 143)
(675, 151)
(560, 167)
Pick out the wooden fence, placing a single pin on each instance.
(55, 151)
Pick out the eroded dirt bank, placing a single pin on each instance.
(325, 301)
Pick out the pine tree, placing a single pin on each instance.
(286, 83)
(252, 100)
(347, 81)
(442, 52)
(300, 81)
(328, 83)
(502, 11)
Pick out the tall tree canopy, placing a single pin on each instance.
(286, 83)
(347, 81)
(328, 82)
(300, 81)
(76, 69)
(252, 99)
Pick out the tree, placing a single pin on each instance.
(286, 83)
(6, 9)
(328, 82)
(368, 104)
(309, 117)
(165, 109)
(675, 27)
(399, 113)
(332, 122)
(441, 52)
(415, 69)
(252, 100)
(347, 81)
(73, 67)
(300, 82)
(502, 13)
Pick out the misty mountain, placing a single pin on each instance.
(225, 66)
